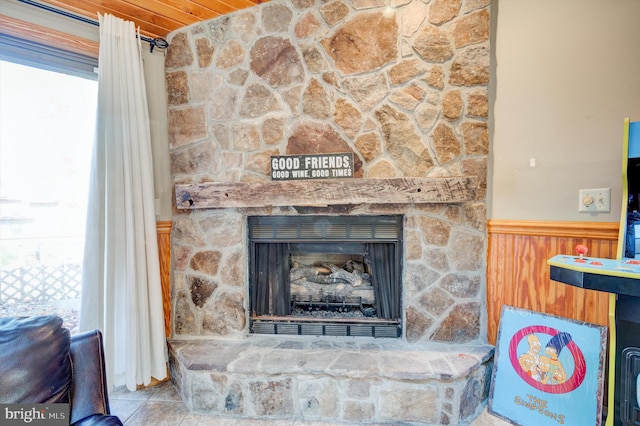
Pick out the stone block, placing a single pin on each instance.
(317, 398)
(272, 397)
(410, 403)
(234, 401)
(359, 411)
(206, 390)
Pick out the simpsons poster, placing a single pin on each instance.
(547, 370)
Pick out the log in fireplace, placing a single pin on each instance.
(326, 275)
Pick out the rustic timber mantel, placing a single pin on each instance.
(325, 192)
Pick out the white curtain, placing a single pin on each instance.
(121, 291)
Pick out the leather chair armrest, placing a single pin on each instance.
(89, 384)
(98, 420)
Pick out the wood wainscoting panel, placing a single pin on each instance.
(518, 274)
(163, 230)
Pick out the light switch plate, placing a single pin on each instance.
(594, 200)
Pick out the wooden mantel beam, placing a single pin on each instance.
(325, 192)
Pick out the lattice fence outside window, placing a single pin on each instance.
(40, 283)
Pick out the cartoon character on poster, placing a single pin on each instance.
(547, 370)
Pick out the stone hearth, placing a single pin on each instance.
(332, 380)
(404, 89)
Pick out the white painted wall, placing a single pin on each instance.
(566, 74)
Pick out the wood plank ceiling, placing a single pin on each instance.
(156, 18)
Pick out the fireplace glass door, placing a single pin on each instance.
(325, 275)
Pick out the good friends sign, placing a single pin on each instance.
(315, 166)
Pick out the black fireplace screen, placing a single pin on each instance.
(271, 293)
(276, 240)
(386, 284)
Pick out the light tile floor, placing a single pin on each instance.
(162, 406)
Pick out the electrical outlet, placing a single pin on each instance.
(594, 200)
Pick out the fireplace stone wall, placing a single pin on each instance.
(401, 84)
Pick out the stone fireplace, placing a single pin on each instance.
(404, 89)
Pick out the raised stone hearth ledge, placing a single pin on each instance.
(344, 380)
(326, 192)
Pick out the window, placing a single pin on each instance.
(47, 128)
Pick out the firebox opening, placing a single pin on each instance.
(331, 285)
(324, 275)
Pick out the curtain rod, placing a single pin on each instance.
(160, 43)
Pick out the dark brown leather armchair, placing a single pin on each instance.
(40, 363)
